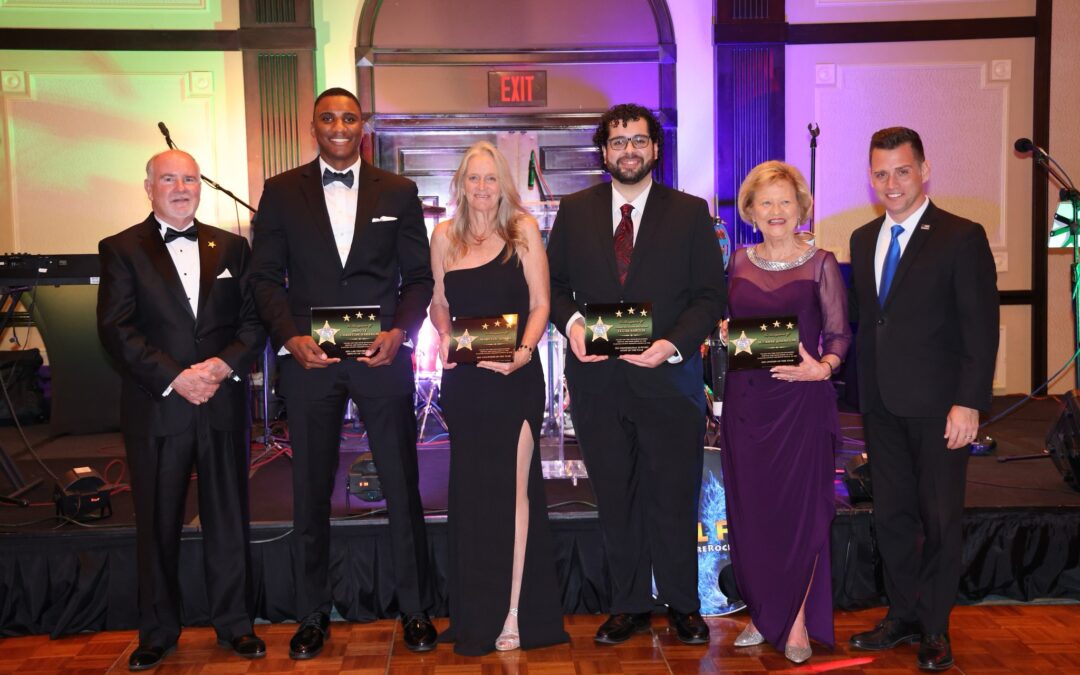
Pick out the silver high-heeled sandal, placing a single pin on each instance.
(798, 654)
(749, 637)
(508, 640)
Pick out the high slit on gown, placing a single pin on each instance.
(485, 411)
(778, 441)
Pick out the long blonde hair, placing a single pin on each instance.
(508, 216)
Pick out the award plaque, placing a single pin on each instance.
(483, 338)
(763, 342)
(618, 328)
(345, 332)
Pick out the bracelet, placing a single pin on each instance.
(526, 348)
(831, 371)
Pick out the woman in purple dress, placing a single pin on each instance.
(780, 426)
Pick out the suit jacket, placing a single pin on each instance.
(146, 325)
(389, 263)
(934, 343)
(676, 265)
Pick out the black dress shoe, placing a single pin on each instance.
(145, 658)
(935, 652)
(248, 646)
(313, 632)
(886, 635)
(619, 627)
(690, 628)
(418, 632)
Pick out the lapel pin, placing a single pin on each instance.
(211, 244)
(924, 226)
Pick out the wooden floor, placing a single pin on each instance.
(986, 639)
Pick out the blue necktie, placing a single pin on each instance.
(892, 261)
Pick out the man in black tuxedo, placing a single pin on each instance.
(925, 293)
(175, 315)
(346, 234)
(640, 419)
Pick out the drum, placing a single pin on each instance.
(714, 553)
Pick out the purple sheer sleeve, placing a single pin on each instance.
(835, 330)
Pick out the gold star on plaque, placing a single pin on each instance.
(742, 344)
(631, 310)
(326, 333)
(618, 313)
(497, 323)
(764, 327)
(776, 324)
(790, 325)
(370, 317)
(644, 313)
(484, 326)
(346, 317)
(465, 341)
(211, 244)
(360, 315)
(599, 329)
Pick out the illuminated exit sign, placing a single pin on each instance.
(517, 88)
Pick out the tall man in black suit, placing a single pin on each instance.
(640, 419)
(926, 297)
(346, 234)
(175, 315)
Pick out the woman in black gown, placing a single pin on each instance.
(489, 260)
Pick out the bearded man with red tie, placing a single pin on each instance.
(640, 418)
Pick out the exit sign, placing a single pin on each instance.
(517, 88)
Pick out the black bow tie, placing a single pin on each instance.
(189, 234)
(329, 176)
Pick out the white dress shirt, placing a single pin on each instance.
(185, 257)
(341, 206)
(885, 236)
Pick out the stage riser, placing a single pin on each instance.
(72, 582)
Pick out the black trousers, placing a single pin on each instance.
(160, 472)
(644, 457)
(918, 488)
(316, 403)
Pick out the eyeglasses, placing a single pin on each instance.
(619, 142)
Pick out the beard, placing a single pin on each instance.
(631, 177)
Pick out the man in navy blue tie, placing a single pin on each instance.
(926, 298)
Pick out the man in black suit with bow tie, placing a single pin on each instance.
(175, 315)
(925, 294)
(640, 419)
(345, 233)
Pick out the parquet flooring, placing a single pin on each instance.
(986, 639)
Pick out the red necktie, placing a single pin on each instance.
(624, 242)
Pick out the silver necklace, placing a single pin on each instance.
(778, 265)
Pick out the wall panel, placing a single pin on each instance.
(841, 11)
(78, 128)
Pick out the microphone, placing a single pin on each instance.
(165, 132)
(1024, 145)
(1043, 157)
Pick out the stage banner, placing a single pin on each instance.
(713, 551)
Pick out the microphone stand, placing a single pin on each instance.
(1067, 193)
(815, 131)
(269, 441)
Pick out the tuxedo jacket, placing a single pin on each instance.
(146, 325)
(296, 263)
(676, 265)
(934, 342)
